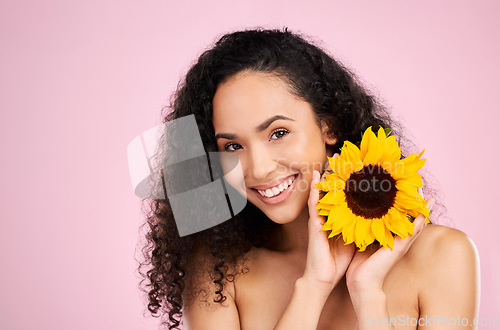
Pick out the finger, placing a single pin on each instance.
(386, 257)
(315, 221)
(325, 170)
(314, 192)
(341, 248)
(403, 245)
(419, 222)
(358, 259)
(421, 192)
(430, 203)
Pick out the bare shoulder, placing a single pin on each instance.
(436, 243)
(439, 275)
(437, 252)
(445, 259)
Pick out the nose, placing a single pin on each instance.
(260, 163)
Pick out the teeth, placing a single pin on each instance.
(274, 191)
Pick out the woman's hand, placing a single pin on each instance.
(369, 268)
(327, 259)
(326, 263)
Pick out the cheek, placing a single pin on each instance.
(232, 170)
(305, 154)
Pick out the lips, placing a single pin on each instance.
(277, 191)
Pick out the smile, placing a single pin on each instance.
(277, 193)
(276, 190)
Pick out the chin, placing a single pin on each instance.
(283, 218)
(282, 214)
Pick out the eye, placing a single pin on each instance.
(279, 133)
(232, 147)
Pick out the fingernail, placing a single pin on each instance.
(431, 204)
(318, 176)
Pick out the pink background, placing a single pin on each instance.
(79, 80)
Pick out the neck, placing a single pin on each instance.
(293, 236)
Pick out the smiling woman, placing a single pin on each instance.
(282, 105)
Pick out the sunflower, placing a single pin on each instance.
(371, 192)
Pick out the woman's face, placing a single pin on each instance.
(276, 137)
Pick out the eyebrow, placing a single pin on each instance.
(259, 128)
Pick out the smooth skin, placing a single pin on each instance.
(301, 279)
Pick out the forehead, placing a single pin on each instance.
(248, 98)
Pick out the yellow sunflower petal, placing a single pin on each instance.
(336, 209)
(408, 191)
(408, 166)
(333, 197)
(381, 135)
(327, 226)
(341, 169)
(378, 229)
(331, 182)
(413, 158)
(351, 156)
(370, 148)
(365, 141)
(413, 212)
(332, 234)
(413, 166)
(348, 230)
(339, 213)
(403, 185)
(321, 186)
(414, 179)
(419, 210)
(389, 240)
(382, 233)
(324, 206)
(375, 149)
(324, 212)
(363, 233)
(372, 157)
(395, 222)
(406, 203)
(388, 166)
(390, 150)
(340, 219)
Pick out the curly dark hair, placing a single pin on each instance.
(336, 96)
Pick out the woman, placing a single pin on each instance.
(282, 105)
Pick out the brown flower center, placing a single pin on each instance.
(370, 192)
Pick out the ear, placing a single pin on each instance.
(327, 137)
